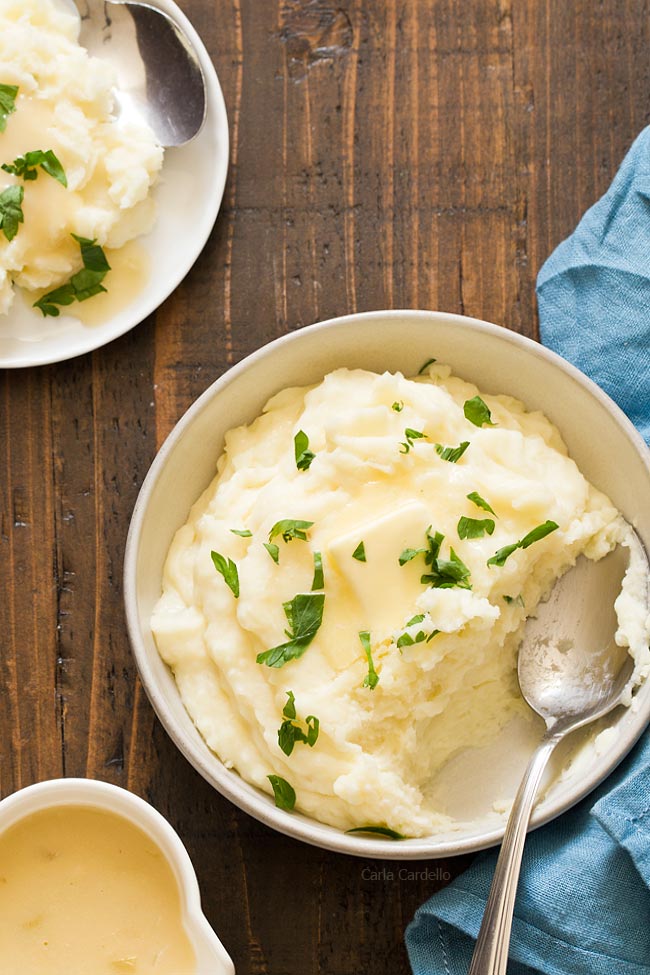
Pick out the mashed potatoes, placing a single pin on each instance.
(64, 104)
(342, 609)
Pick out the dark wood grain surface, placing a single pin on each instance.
(385, 153)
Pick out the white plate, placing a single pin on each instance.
(188, 197)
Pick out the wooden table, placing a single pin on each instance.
(385, 153)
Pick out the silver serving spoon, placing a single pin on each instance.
(159, 77)
(571, 672)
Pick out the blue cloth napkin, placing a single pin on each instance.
(583, 904)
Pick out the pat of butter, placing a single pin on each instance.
(383, 588)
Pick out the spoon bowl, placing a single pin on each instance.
(158, 72)
(570, 667)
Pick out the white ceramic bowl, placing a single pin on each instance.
(601, 440)
(211, 956)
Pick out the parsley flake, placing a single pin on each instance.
(25, 166)
(426, 365)
(273, 551)
(452, 454)
(360, 552)
(372, 678)
(82, 285)
(11, 211)
(406, 640)
(444, 573)
(475, 527)
(511, 599)
(283, 793)
(501, 554)
(228, 569)
(319, 579)
(411, 435)
(289, 710)
(480, 502)
(288, 528)
(290, 731)
(243, 533)
(390, 834)
(541, 531)
(416, 619)
(410, 553)
(477, 412)
(303, 455)
(398, 406)
(8, 95)
(304, 614)
(447, 573)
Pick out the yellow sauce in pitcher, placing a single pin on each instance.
(85, 892)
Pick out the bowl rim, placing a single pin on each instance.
(95, 794)
(228, 783)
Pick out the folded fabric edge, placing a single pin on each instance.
(530, 945)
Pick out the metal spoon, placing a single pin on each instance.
(159, 76)
(571, 672)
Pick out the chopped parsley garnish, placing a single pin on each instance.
(447, 573)
(290, 732)
(501, 554)
(25, 166)
(82, 285)
(11, 210)
(372, 678)
(538, 533)
(444, 573)
(289, 528)
(406, 640)
(289, 710)
(283, 793)
(228, 569)
(535, 535)
(434, 543)
(426, 365)
(410, 435)
(478, 412)
(319, 579)
(480, 502)
(416, 619)
(360, 552)
(398, 406)
(303, 455)
(8, 95)
(243, 533)
(390, 834)
(475, 527)
(273, 551)
(511, 599)
(452, 454)
(410, 553)
(304, 614)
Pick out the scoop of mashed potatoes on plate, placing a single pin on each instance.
(343, 608)
(57, 100)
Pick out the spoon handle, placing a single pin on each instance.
(491, 952)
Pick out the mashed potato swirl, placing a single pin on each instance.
(384, 477)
